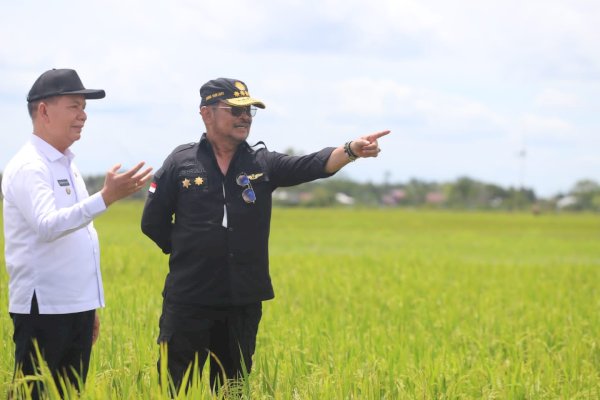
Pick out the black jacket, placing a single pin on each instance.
(211, 264)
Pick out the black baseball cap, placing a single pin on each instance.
(57, 82)
(230, 91)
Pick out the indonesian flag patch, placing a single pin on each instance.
(152, 187)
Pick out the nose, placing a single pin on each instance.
(246, 114)
(82, 115)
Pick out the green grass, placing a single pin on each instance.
(374, 304)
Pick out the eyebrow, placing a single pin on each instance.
(77, 101)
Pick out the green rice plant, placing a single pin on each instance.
(376, 304)
(43, 382)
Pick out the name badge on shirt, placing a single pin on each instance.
(65, 182)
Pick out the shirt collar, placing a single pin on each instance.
(48, 151)
(206, 144)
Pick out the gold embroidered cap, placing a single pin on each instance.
(230, 91)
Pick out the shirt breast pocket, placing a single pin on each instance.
(64, 196)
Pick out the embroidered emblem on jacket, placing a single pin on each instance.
(255, 176)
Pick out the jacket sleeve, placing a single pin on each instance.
(157, 218)
(288, 170)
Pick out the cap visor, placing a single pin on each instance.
(244, 101)
(89, 93)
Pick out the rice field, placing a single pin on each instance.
(377, 304)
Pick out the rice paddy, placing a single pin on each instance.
(377, 304)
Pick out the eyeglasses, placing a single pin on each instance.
(248, 194)
(238, 111)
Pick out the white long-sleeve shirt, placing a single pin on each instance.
(51, 246)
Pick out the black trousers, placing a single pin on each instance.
(64, 341)
(229, 333)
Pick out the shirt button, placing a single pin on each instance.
(230, 229)
(230, 255)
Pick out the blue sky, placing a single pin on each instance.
(464, 86)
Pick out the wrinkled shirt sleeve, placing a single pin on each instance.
(34, 196)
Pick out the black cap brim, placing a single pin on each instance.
(91, 94)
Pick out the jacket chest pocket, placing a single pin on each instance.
(260, 184)
(196, 184)
(252, 209)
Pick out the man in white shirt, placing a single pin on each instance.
(51, 247)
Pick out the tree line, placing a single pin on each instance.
(464, 193)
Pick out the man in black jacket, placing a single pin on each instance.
(209, 207)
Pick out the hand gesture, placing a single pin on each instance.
(119, 185)
(367, 146)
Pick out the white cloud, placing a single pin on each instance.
(436, 114)
(546, 127)
(555, 98)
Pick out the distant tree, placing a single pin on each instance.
(472, 194)
(417, 190)
(496, 196)
(94, 183)
(465, 192)
(520, 199)
(321, 197)
(586, 193)
(596, 202)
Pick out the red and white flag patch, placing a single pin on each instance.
(152, 187)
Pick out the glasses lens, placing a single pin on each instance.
(243, 180)
(238, 111)
(249, 196)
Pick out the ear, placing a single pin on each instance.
(42, 111)
(206, 113)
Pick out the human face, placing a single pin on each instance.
(229, 127)
(64, 118)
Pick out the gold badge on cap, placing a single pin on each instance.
(240, 85)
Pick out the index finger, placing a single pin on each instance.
(133, 170)
(377, 135)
